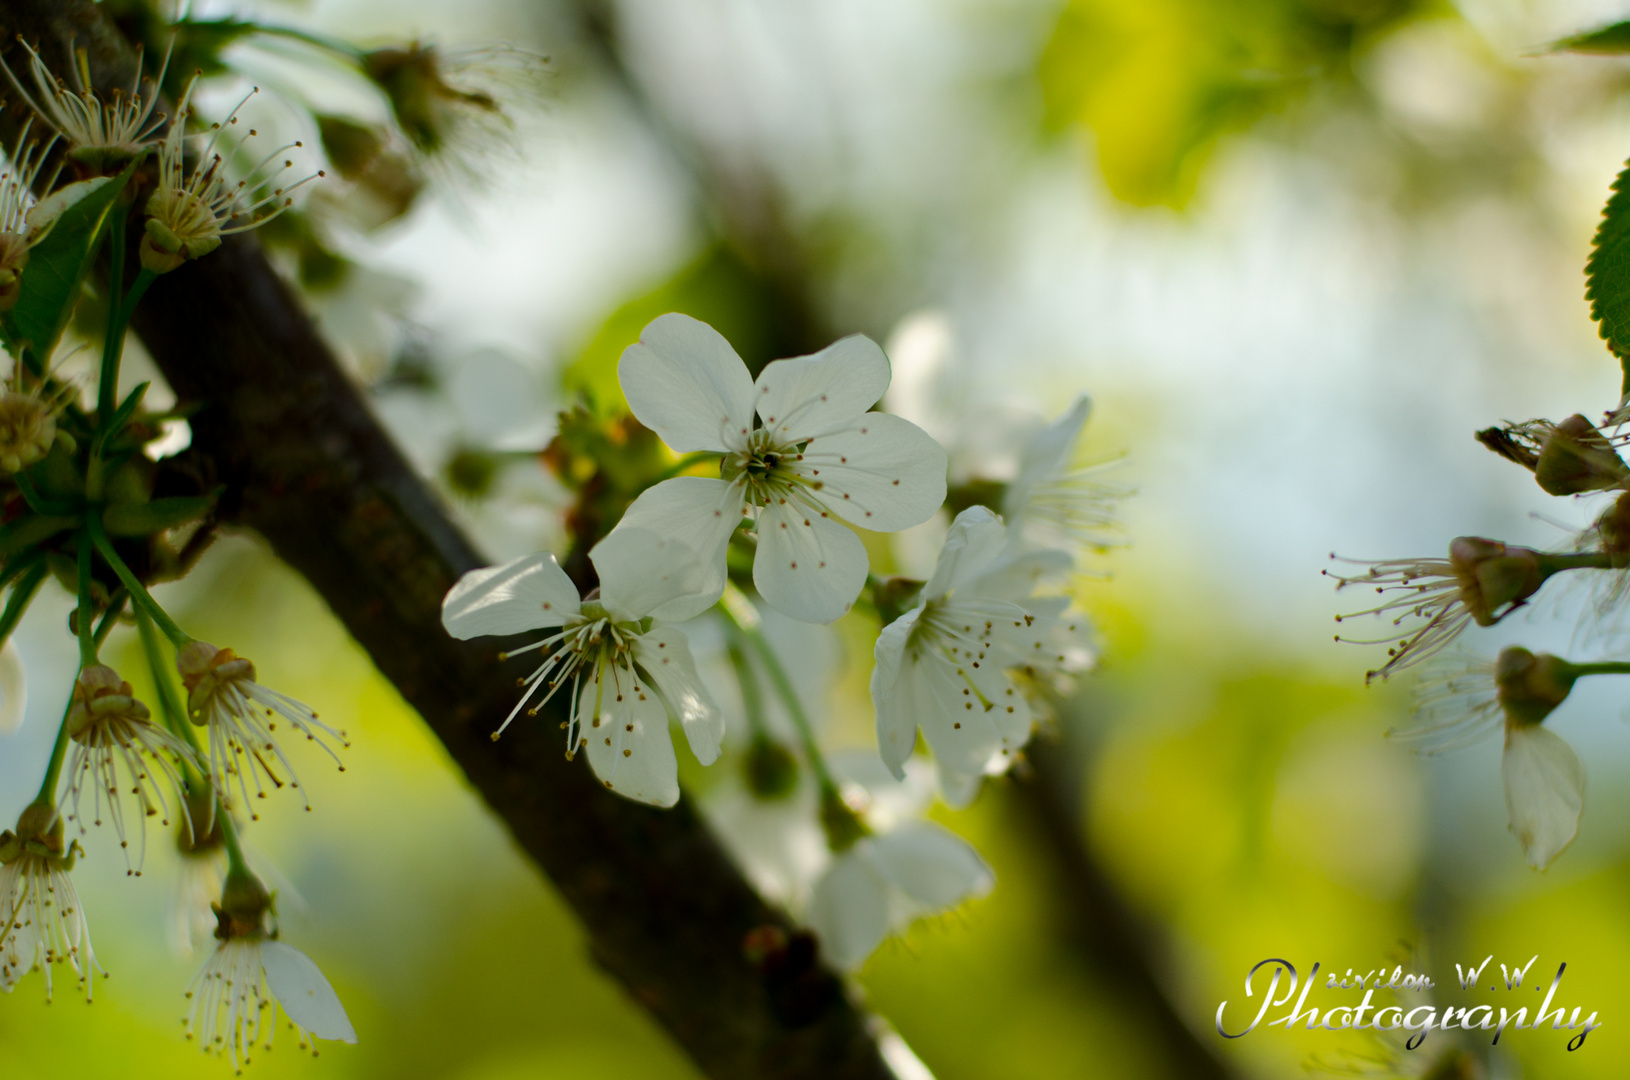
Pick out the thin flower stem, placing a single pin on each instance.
(175, 718)
(235, 862)
(107, 387)
(37, 502)
(1581, 560)
(21, 594)
(87, 635)
(752, 701)
(1603, 667)
(138, 591)
(739, 610)
(59, 753)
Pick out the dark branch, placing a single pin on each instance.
(308, 467)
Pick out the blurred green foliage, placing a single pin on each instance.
(1159, 83)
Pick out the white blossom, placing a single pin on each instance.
(957, 665)
(815, 460)
(241, 717)
(102, 133)
(1461, 701)
(625, 679)
(236, 993)
(41, 919)
(1055, 502)
(885, 882)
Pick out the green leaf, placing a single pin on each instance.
(27, 531)
(1607, 41)
(144, 519)
(58, 264)
(1607, 273)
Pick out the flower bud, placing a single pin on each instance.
(1531, 686)
(1575, 457)
(1493, 575)
(770, 770)
(28, 427)
(100, 696)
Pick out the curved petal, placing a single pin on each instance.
(298, 985)
(810, 395)
(684, 382)
(976, 538)
(1045, 455)
(932, 865)
(1544, 791)
(849, 910)
(523, 594)
(968, 738)
(896, 722)
(13, 688)
(881, 472)
(627, 738)
(666, 556)
(807, 566)
(664, 654)
(1017, 577)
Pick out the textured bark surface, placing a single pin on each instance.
(308, 467)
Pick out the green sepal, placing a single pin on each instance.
(1607, 273)
(25, 532)
(1611, 40)
(126, 409)
(57, 268)
(145, 519)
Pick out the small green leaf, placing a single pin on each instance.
(27, 531)
(144, 519)
(58, 264)
(1607, 273)
(127, 407)
(1606, 41)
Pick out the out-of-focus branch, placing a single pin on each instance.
(1099, 925)
(307, 466)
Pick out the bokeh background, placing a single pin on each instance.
(1296, 250)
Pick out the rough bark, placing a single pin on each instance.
(307, 466)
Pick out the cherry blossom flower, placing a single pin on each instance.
(816, 460)
(113, 732)
(41, 920)
(104, 134)
(1463, 701)
(958, 664)
(224, 698)
(626, 678)
(1053, 500)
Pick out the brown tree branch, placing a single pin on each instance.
(309, 468)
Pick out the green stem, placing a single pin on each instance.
(21, 594)
(752, 700)
(138, 591)
(170, 707)
(87, 635)
(59, 753)
(1602, 667)
(1553, 563)
(739, 610)
(116, 607)
(107, 387)
(37, 502)
(235, 862)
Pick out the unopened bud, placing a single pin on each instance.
(1531, 686)
(1575, 457)
(1494, 577)
(770, 770)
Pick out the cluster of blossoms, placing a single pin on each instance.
(1427, 603)
(804, 468)
(78, 491)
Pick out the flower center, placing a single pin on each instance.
(762, 467)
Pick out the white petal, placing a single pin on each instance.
(1017, 577)
(932, 865)
(1544, 791)
(881, 472)
(1045, 455)
(628, 742)
(896, 721)
(305, 995)
(523, 594)
(968, 739)
(666, 556)
(972, 546)
(685, 382)
(810, 395)
(849, 910)
(665, 655)
(13, 688)
(807, 565)
(44, 213)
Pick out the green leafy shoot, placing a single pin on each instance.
(1605, 41)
